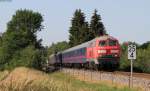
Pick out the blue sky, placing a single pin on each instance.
(127, 20)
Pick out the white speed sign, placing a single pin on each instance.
(131, 51)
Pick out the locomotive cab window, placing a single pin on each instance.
(102, 43)
(112, 42)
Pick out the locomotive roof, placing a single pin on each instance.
(87, 44)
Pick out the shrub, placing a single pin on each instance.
(28, 57)
(142, 62)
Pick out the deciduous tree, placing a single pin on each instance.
(21, 33)
(58, 47)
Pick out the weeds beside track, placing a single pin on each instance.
(25, 79)
(115, 78)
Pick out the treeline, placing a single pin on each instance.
(142, 62)
(19, 45)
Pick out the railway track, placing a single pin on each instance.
(141, 75)
(140, 80)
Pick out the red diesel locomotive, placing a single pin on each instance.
(101, 52)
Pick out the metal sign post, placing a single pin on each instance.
(131, 56)
(131, 76)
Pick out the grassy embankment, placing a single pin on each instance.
(24, 79)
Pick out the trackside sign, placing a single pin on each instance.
(132, 51)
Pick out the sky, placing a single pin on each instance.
(126, 20)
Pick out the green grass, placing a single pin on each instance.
(78, 85)
(33, 80)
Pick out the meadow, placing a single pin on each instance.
(25, 79)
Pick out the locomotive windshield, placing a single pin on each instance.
(112, 42)
(102, 43)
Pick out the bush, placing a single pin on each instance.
(143, 59)
(142, 62)
(124, 62)
(28, 57)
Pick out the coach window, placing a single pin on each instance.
(102, 43)
(82, 51)
(79, 53)
(73, 53)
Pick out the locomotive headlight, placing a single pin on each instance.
(116, 55)
(101, 51)
(114, 51)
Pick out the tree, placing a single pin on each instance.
(96, 26)
(21, 33)
(145, 45)
(86, 34)
(25, 24)
(142, 62)
(124, 63)
(60, 46)
(76, 29)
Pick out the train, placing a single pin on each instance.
(100, 53)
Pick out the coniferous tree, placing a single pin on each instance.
(96, 26)
(86, 33)
(76, 29)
